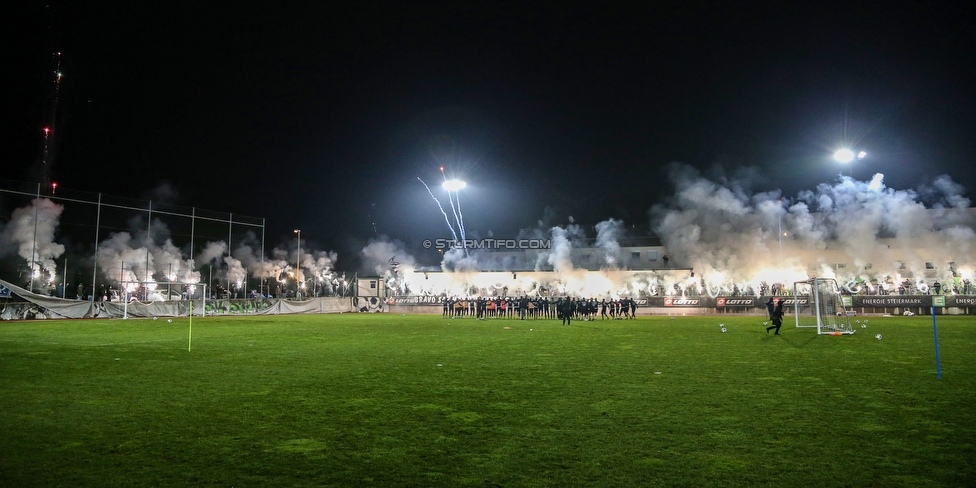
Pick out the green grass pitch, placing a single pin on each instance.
(387, 400)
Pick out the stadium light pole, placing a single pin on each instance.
(847, 156)
(298, 263)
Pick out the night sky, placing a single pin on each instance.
(322, 117)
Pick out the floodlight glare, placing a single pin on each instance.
(844, 155)
(454, 185)
(861, 154)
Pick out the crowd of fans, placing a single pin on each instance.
(539, 308)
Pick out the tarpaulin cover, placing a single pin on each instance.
(36, 306)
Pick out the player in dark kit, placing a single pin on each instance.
(568, 307)
(775, 314)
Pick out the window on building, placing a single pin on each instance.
(652, 256)
(372, 284)
(928, 265)
(635, 255)
(585, 259)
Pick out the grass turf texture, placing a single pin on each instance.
(385, 400)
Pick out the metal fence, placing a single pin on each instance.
(85, 219)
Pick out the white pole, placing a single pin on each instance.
(230, 227)
(145, 287)
(33, 261)
(298, 264)
(193, 225)
(98, 220)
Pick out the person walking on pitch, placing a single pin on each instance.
(775, 314)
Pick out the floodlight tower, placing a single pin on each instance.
(847, 156)
(454, 185)
(298, 264)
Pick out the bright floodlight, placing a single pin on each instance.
(844, 155)
(861, 154)
(454, 185)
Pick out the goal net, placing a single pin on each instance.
(818, 303)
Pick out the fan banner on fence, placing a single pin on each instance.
(4, 292)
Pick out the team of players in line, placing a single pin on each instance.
(565, 309)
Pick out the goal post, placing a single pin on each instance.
(818, 303)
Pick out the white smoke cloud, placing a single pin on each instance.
(35, 243)
(608, 235)
(737, 239)
(147, 253)
(212, 251)
(387, 259)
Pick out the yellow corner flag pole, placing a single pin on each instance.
(189, 342)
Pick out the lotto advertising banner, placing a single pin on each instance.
(735, 302)
(676, 302)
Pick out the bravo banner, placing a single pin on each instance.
(416, 300)
(439, 300)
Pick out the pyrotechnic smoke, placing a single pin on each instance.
(235, 270)
(560, 254)
(146, 253)
(460, 260)
(387, 259)
(212, 251)
(737, 239)
(122, 259)
(34, 243)
(608, 235)
(723, 238)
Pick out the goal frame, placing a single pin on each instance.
(812, 313)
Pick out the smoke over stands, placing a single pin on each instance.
(732, 237)
(148, 242)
